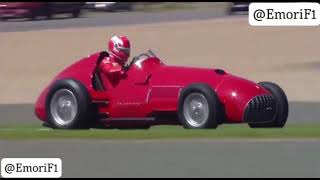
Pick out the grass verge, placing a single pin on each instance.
(162, 7)
(228, 131)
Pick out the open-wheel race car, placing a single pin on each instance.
(154, 93)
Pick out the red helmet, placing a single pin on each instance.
(119, 46)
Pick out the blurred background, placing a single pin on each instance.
(33, 10)
(39, 39)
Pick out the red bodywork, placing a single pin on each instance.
(33, 9)
(19, 9)
(136, 97)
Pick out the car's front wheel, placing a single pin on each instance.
(199, 107)
(67, 105)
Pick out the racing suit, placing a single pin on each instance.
(112, 71)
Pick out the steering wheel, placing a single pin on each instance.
(135, 59)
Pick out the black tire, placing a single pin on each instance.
(76, 13)
(215, 112)
(83, 114)
(4, 19)
(128, 6)
(47, 11)
(48, 15)
(281, 104)
(33, 16)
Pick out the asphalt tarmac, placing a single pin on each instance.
(177, 159)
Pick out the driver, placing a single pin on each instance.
(119, 52)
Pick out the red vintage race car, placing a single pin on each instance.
(154, 93)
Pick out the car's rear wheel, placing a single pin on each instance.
(68, 105)
(281, 105)
(199, 107)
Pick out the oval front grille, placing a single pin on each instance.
(260, 109)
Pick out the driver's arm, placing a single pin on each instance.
(109, 68)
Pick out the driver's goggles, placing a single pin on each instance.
(123, 49)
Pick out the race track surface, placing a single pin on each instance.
(201, 158)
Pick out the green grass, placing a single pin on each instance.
(221, 7)
(165, 7)
(230, 131)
